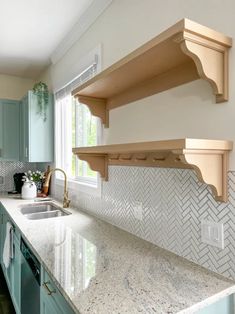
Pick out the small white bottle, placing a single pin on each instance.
(29, 190)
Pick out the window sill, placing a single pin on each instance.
(76, 186)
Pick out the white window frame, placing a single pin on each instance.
(88, 180)
(80, 184)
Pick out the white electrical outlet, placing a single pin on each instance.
(212, 233)
(138, 210)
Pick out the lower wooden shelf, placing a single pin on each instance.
(209, 158)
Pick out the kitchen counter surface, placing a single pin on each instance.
(102, 269)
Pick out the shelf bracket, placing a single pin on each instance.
(97, 163)
(210, 59)
(211, 167)
(97, 107)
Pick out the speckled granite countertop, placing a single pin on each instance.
(104, 270)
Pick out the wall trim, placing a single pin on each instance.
(85, 21)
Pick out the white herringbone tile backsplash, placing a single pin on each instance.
(8, 169)
(174, 204)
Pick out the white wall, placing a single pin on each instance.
(13, 87)
(186, 111)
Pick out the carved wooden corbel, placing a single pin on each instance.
(210, 59)
(97, 107)
(97, 163)
(211, 168)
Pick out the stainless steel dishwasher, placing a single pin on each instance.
(30, 281)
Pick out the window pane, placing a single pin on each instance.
(86, 135)
(73, 170)
(75, 127)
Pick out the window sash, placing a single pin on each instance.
(64, 126)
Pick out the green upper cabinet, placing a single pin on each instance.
(9, 130)
(36, 133)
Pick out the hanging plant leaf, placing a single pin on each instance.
(41, 91)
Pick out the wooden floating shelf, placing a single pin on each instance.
(183, 53)
(209, 158)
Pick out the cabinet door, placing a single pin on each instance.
(2, 237)
(47, 305)
(16, 276)
(1, 128)
(9, 137)
(41, 133)
(223, 306)
(12, 274)
(37, 134)
(1, 232)
(24, 130)
(6, 271)
(52, 301)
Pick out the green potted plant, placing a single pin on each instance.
(40, 89)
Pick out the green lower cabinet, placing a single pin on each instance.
(16, 276)
(1, 231)
(48, 306)
(223, 306)
(13, 272)
(51, 300)
(6, 271)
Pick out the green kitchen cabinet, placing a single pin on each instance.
(9, 130)
(36, 133)
(223, 306)
(51, 300)
(47, 305)
(1, 231)
(12, 274)
(6, 271)
(16, 275)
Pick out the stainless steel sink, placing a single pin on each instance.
(38, 207)
(42, 211)
(45, 215)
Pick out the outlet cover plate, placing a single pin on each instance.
(212, 233)
(138, 210)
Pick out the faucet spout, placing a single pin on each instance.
(66, 200)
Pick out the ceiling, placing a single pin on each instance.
(31, 30)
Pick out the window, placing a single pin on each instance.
(85, 132)
(75, 127)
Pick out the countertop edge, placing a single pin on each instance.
(218, 296)
(192, 309)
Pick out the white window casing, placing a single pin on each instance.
(63, 131)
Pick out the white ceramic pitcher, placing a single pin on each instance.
(29, 190)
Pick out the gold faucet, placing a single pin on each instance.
(66, 200)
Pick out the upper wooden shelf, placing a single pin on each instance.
(209, 158)
(185, 52)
